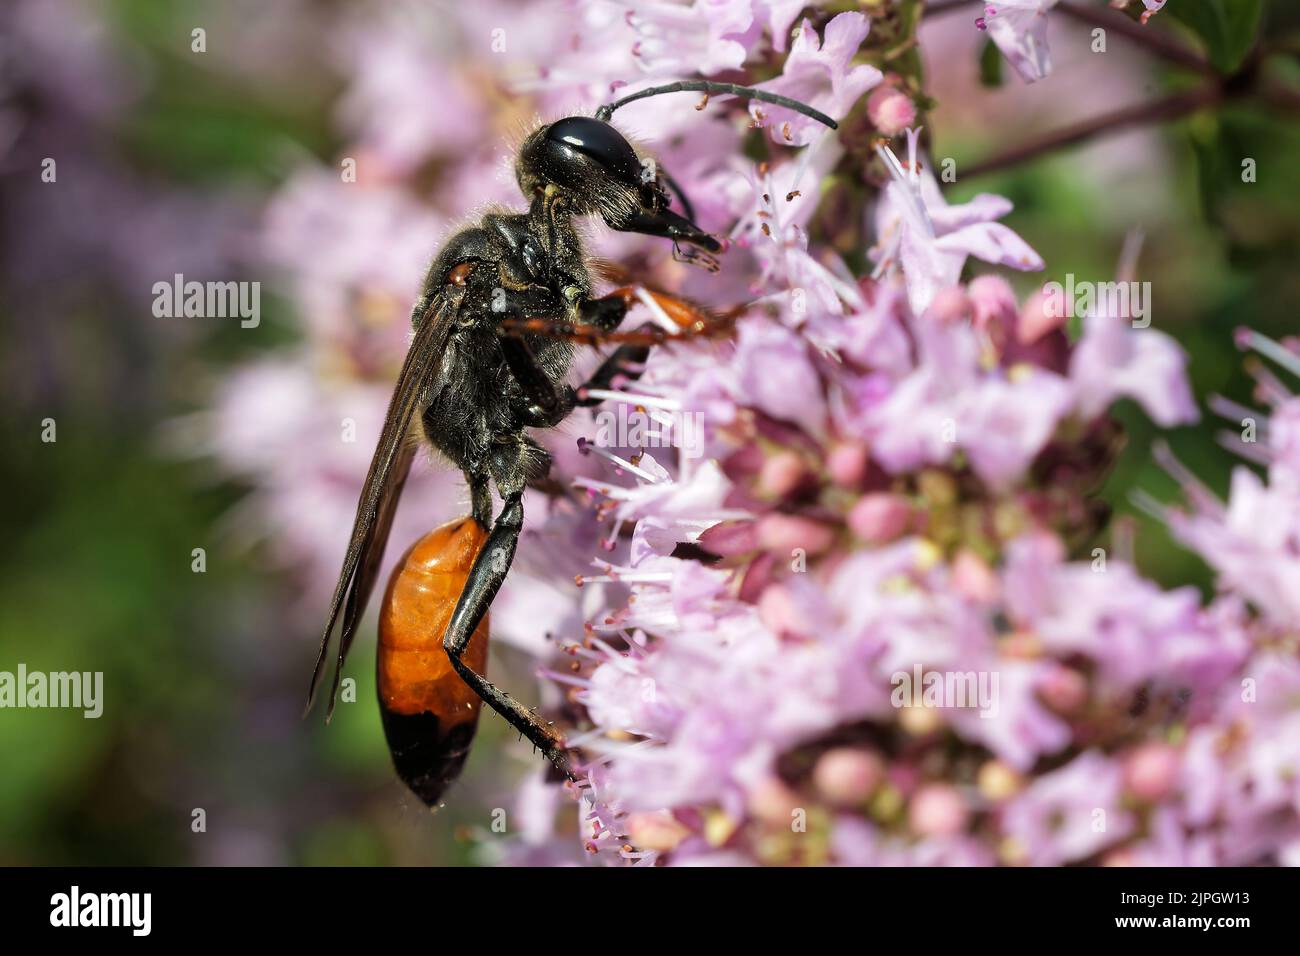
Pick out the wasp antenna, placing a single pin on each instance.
(709, 86)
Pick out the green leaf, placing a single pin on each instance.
(990, 65)
(1227, 27)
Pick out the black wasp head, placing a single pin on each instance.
(595, 169)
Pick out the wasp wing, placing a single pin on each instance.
(382, 489)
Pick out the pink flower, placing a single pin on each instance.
(707, 36)
(1277, 430)
(1001, 419)
(820, 75)
(775, 228)
(1131, 629)
(1019, 28)
(352, 254)
(1114, 360)
(1069, 814)
(1284, 443)
(915, 422)
(774, 371)
(1253, 542)
(1009, 420)
(1152, 7)
(779, 14)
(306, 448)
(918, 233)
(1022, 729)
(386, 107)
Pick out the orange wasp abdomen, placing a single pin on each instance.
(429, 713)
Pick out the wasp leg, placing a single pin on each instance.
(547, 403)
(626, 360)
(480, 498)
(607, 312)
(485, 577)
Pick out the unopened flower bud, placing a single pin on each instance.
(994, 307)
(880, 517)
(846, 776)
(937, 810)
(773, 802)
(730, 538)
(657, 830)
(1064, 690)
(997, 781)
(779, 612)
(973, 578)
(781, 474)
(950, 305)
(1151, 771)
(891, 110)
(920, 721)
(847, 464)
(1040, 314)
(782, 532)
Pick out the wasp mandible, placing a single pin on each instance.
(495, 326)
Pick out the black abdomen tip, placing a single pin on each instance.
(426, 757)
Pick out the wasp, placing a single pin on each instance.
(502, 308)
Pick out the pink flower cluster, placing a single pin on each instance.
(741, 699)
(874, 617)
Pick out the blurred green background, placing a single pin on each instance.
(206, 673)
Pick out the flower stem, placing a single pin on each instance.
(934, 7)
(1154, 40)
(1158, 111)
